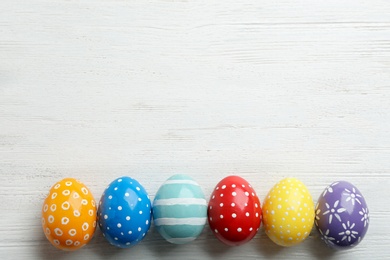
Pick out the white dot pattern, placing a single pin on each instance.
(237, 215)
(284, 218)
(124, 212)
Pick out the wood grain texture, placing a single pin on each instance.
(98, 89)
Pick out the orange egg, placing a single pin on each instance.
(69, 215)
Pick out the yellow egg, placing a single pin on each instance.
(69, 215)
(288, 212)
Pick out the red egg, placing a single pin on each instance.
(234, 211)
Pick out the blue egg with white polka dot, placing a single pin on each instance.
(180, 209)
(125, 212)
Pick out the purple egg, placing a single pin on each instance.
(342, 216)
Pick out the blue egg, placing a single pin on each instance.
(180, 209)
(125, 212)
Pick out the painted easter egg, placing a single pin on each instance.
(125, 212)
(69, 215)
(180, 209)
(342, 216)
(288, 212)
(234, 211)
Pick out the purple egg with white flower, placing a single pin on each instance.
(125, 212)
(341, 215)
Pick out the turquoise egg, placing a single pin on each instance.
(180, 209)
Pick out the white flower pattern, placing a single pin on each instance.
(352, 196)
(317, 212)
(329, 188)
(341, 215)
(333, 211)
(348, 232)
(365, 216)
(327, 239)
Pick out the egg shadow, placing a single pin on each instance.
(318, 248)
(162, 249)
(266, 247)
(313, 245)
(46, 251)
(98, 245)
(155, 245)
(158, 246)
(214, 247)
(102, 248)
(206, 242)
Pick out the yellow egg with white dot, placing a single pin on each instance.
(288, 212)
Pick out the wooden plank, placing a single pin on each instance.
(99, 89)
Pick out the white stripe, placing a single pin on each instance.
(179, 201)
(181, 240)
(181, 182)
(180, 221)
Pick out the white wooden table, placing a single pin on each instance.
(99, 89)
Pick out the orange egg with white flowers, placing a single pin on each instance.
(69, 215)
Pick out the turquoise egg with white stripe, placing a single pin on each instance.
(180, 209)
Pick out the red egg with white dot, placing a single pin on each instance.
(234, 211)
